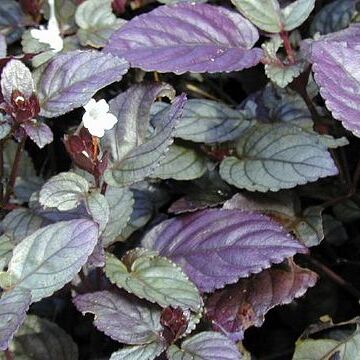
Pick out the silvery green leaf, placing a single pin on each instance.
(6, 247)
(3, 46)
(181, 163)
(266, 15)
(31, 45)
(64, 191)
(274, 157)
(207, 121)
(344, 349)
(142, 161)
(139, 352)
(98, 208)
(11, 20)
(207, 345)
(143, 210)
(65, 13)
(154, 278)
(309, 227)
(333, 17)
(49, 258)
(272, 46)
(26, 167)
(294, 14)
(121, 203)
(5, 127)
(132, 108)
(38, 132)
(40, 338)
(97, 22)
(13, 307)
(16, 76)
(20, 223)
(121, 316)
(70, 80)
(282, 75)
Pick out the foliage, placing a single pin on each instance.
(177, 170)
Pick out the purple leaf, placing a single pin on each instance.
(237, 307)
(205, 345)
(70, 80)
(207, 39)
(217, 247)
(38, 132)
(122, 317)
(336, 71)
(13, 307)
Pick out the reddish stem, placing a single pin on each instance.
(289, 50)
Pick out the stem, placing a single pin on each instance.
(289, 50)
(14, 170)
(8, 355)
(337, 279)
(103, 188)
(356, 177)
(1, 172)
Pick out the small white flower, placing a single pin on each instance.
(50, 35)
(97, 118)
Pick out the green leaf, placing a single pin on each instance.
(121, 204)
(65, 14)
(154, 278)
(42, 339)
(283, 75)
(181, 163)
(97, 22)
(64, 191)
(324, 349)
(296, 13)
(98, 208)
(142, 352)
(266, 15)
(49, 258)
(277, 156)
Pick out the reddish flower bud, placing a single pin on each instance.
(31, 7)
(23, 109)
(174, 322)
(119, 6)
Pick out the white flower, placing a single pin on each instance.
(97, 118)
(50, 35)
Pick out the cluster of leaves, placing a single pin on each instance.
(177, 229)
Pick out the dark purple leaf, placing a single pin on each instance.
(38, 132)
(70, 80)
(237, 307)
(122, 317)
(13, 307)
(217, 247)
(336, 71)
(207, 39)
